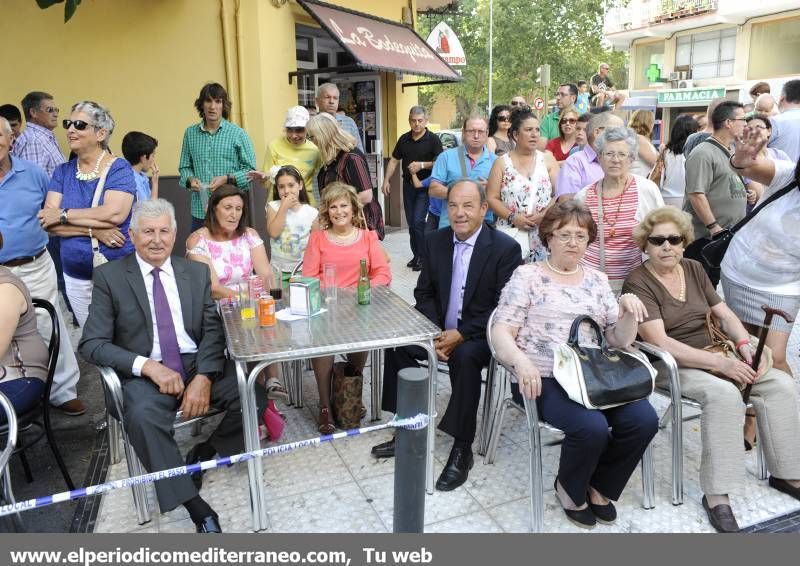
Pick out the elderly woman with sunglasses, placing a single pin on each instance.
(499, 142)
(678, 295)
(618, 201)
(561, 146)
(70, 210)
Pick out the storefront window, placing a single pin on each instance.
(710, 55)
(773, 49)
(646, 55)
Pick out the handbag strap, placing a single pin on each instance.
(98, 190)
(575, 329)
(600, 228)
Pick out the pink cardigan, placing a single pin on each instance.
(322, 250)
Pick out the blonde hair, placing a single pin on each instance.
(642, 122)
(336, 191)
(662, 215)
(564, 112)
(328, 136)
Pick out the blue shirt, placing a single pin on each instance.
(142, 185)
(22, 194)
(582, 103)
(76, 251)
(447, 169)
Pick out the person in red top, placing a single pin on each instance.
(567, 134)
(343, 241)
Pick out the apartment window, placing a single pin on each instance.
(709, 55)
(773, 49)
(645, 55)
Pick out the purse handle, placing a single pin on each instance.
(575, 328)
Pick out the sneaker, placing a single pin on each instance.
(72, 408)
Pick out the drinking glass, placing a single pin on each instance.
(329, 282)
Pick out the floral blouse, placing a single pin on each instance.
(231, 259)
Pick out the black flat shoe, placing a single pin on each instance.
(209, 524)
(193, 458)
(412, 262)
(456, 471)
(583, 518)
(721, 517)
(384, 450)
(784, 486)
(604, 513)
(417, 265)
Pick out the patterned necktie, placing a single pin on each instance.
(168, 340)
(457, 283)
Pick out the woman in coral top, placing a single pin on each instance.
(343, 241)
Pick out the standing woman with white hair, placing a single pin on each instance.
(89, 203)
(618, 201)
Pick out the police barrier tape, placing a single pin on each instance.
(413, 423)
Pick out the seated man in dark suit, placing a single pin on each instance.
(152, 319)
(465, 267)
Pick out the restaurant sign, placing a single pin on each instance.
(690, 96)
(445, 42)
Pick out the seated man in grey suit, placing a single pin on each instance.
(153, 320)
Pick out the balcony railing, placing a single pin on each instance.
(668, 10)
(633, 14)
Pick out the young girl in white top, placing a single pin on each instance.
(290, 219)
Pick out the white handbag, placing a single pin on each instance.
(98, 258)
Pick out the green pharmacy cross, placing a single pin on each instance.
(653, 73)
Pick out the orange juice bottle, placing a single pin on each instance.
(266, 310)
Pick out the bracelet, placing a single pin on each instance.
(510, 218)
(742, 342)
(710, 226)
(730, 162)
(626, 295)
(90, 233)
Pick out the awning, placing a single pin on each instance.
(378, 44)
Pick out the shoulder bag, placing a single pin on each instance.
(658, 169)
(599, 377)
(722, 345)
(98, 258)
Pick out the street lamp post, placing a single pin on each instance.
(491, 30)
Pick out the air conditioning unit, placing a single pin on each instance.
(686, 83)
(674, 76)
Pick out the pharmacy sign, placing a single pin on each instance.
(690, 96)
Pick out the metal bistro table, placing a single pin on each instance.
(346, 327)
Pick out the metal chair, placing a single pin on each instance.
(498, 403)
(6, 494)
(674, 413)
(112, 389)
(38, 416)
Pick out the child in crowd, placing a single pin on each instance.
(582, 103)
(290, 219)
(580, 133)
(140, 151)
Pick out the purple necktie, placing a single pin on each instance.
(168, 340)
(457, 283)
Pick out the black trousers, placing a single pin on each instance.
(149, 418)
(692, 251)
(465, 363)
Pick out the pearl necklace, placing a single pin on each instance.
(682, 279)
(560, 272)
(91, 175)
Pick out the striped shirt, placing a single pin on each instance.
(38, 145)
(622, 254)
(204, 155)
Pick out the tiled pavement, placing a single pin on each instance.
(339, 487)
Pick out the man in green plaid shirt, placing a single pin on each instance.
(214, 151)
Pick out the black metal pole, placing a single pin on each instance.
(410, 453)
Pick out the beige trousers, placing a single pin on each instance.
(775, 402)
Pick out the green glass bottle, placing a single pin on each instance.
(364, 293)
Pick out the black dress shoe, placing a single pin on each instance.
(456, 471)
(197, 477)
(784, 486)
(721, 517)
(384, 449)
(417, 266)
(209, 524)
(605, 513)
(412, 262)
(583, 518)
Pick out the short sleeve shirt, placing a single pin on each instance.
(683, 321)
(426, 148)
(231, 259)
(600, 84)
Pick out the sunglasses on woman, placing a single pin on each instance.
(504, 118)
(572, 121)
(79, 125)
(658, 241)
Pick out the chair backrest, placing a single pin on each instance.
(53, 345)
(490, 341)
(11, 424)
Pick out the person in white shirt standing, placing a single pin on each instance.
(786, 125)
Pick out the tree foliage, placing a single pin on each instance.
(69, 6)
(527, 33)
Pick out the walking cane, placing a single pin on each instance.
(762, 338)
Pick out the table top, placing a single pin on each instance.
(347, 326)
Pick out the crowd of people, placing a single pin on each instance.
(541, 220)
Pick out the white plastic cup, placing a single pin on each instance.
(204, 194)
(329, 282)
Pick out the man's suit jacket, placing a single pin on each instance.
(120, 326)
(494, 259)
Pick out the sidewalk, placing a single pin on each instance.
(339, 487)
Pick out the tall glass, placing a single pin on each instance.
(329, 282)
(247, 306)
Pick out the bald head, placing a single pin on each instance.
(5, 126)
(766, 104)
(599, 122)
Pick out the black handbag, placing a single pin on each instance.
(599, 377)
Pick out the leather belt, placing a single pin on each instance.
(17, 261)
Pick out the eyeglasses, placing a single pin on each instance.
(560, 94)
(474, 132)
(572, 121)
(504, 118)
(517, 103)
(742, 119)
(616, 156)
(79, 125)
(49, 109)
(658, 241)
(564, 237)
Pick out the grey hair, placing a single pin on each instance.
(152, 209)
(467, 181)
(5, 126)
(601, 120)
(417, 111)
(326, 86)
(99, 117)
(618, 134)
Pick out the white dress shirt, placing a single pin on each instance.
(185, 344)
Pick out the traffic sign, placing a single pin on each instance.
(538, 103)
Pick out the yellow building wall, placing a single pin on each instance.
(146, 61)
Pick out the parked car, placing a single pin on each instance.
(449, 138)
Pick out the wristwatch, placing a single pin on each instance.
(510, 218)
(62, 218)
(710, 226)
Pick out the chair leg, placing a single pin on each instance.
(500, 402)
(26, 467)
(536, 487)
(139, 490)
(288, 381)
(484, 431)
(761, 461)
(648, 479)
(376, 378)
(57, 455)
(665, 418)
(677, 452)
(112, 428)
(297, 367)
(7, 496)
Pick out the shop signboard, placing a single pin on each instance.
(445, 42)
(689, 96)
